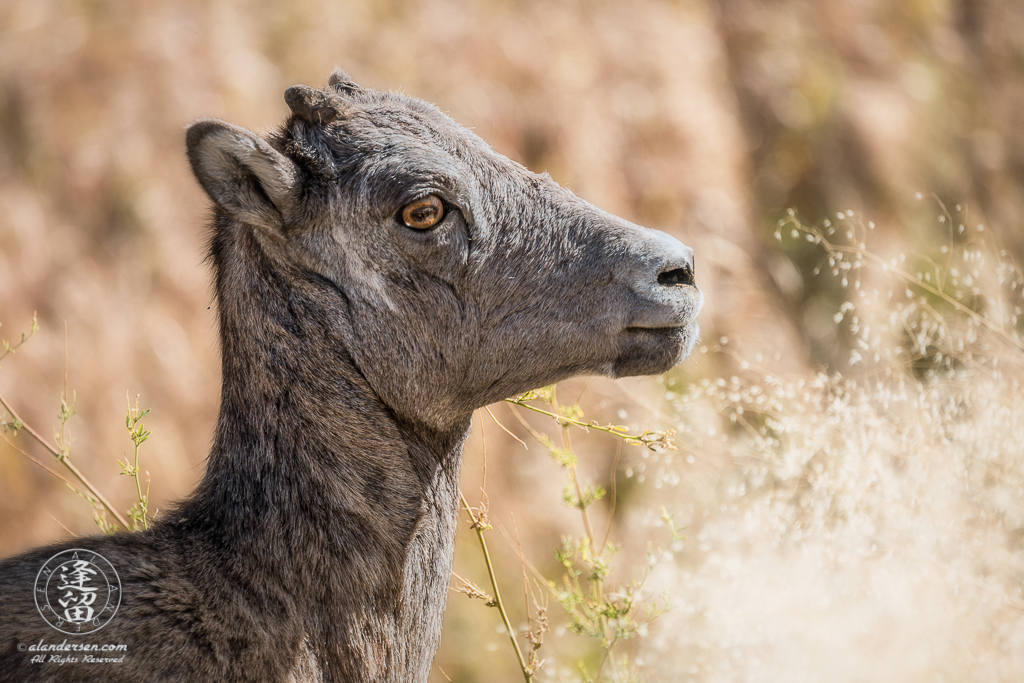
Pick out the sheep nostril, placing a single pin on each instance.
(675, 277)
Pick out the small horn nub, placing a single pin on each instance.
(339, 78)
(311, 105)
(342, 82)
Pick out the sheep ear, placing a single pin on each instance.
(245, 176)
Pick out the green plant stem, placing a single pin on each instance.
(478, 527)
(562, 420)
(598, 582)
(138, 434)
(143, 501)
(63, 458)
(25, 336)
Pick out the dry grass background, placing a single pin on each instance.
(876, 535)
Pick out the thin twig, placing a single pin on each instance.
(61, 525)
(504, 428)
(483, 457)
(612, 495)
(33, 459)
(25, 336)
(536, 637)
(537, 436)
(652, 440)
(522, 563)
(63, 458)
(479, 528)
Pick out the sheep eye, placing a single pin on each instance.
(424, 213)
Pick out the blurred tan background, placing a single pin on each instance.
(707, 120)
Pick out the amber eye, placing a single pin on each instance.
(424, 213)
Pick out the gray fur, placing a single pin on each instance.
(318, 546)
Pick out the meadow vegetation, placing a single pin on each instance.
(862, 522)
(832, 488)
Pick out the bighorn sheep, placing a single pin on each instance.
(380, 273)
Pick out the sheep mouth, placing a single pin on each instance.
(651, 350)
(669, 310)
(685, 333)
(670, 325)
(668, 329)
